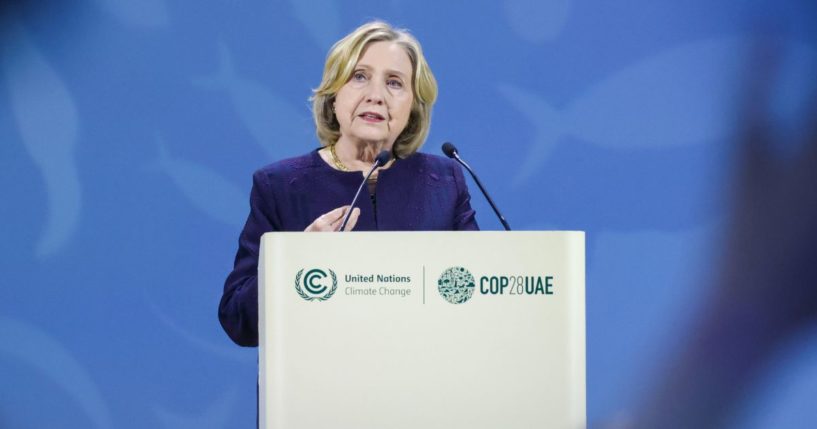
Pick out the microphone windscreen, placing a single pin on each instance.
(382, 158)
(449, 149)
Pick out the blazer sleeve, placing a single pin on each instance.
(238, 309)
(464, 215)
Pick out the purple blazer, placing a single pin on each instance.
(420, 193)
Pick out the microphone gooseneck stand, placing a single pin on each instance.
(382, 158)
(451, 151)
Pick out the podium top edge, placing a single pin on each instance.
(517, 232)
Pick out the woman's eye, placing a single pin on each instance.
(394, 83)
(359, 76)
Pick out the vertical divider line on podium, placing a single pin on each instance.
(424, 284)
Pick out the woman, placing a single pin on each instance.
(376, 94)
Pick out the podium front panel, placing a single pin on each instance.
(422, 330)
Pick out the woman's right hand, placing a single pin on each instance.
(331, 221)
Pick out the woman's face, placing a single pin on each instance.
(374, 105)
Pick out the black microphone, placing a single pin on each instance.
(380, 160)
(451, 151)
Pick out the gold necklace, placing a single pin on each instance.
(335, 160)
(342, 167)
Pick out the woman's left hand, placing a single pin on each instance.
(331, 221)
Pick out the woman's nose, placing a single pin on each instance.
(374, 94)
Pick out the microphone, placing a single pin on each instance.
(380, 160)
(451, 151)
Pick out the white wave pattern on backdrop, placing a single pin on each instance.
(39, 350)
(216, 416)
(537, 21)
(208, 191)
(225, 352)
(47, 121)
(271, 120)
(321, 19)
(678, 97)
(547, 123)
(139, 14)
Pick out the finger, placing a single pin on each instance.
(352, 219)
(328, 221)
(337, 222)
(335, 215)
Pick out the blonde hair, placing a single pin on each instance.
(340, 64)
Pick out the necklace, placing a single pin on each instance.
(335, 160)
(342, 167)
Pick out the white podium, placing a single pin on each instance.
(449, 330)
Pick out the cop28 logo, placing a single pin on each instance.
(456, 285)
(315, 284)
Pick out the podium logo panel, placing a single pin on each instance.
(456, 285)
(316, 285)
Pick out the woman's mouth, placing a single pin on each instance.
(371, 117)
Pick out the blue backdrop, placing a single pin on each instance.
(129, 131)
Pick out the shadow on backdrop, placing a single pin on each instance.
(764, 289)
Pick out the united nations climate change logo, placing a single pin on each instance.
(315, 286)
(456, 285)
